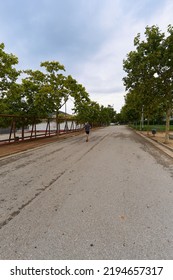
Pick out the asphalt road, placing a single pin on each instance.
(110, 198)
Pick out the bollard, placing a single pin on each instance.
(153, 131)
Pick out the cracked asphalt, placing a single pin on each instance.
(110, 198)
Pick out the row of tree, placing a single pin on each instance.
(41, 94)
(149, 77)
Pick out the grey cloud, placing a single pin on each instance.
(115, 89)
(47, 26)
(90, 37)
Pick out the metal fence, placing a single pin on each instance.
(15, 128)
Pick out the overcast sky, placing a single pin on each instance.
(89, 37)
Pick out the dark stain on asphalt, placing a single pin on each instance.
(17, 212)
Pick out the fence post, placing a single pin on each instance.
(13, 129)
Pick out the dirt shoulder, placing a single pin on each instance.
(160, 138)
(13, 148)
(159, 141)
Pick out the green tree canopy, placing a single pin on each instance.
(42, 93)
(149, 74)
(8, 73)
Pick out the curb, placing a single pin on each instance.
(163, 147)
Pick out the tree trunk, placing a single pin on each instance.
(57, 123)
(148, 123)
(168, 114)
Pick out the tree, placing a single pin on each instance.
(8, 74)
(77, 92)
(44, 92)
(165, 77)
(149, 72)
(131, 111)
(8, 84)
(55, 84)
(107, 115)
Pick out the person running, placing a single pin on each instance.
(87, 130)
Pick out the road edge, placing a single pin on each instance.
(163, 147)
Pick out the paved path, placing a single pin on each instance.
(110, 198)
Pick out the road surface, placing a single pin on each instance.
(110, 198)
